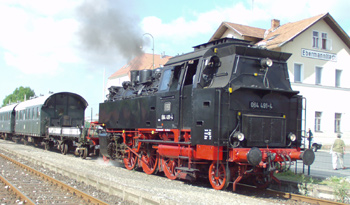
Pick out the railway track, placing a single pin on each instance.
(30, 186)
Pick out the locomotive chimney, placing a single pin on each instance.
(275, 23)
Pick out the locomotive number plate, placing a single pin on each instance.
(260, 105)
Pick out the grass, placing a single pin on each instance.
(340, 185)
(301, 178)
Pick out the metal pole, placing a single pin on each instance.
(153, 46)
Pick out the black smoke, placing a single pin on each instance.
(109, 31)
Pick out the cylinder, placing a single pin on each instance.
(174, 151)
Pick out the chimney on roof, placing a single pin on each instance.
(275, 23)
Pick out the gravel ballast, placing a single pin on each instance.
(130, 185)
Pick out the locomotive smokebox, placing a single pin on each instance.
(254, 156)
(145, 76)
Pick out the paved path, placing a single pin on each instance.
(322, 167)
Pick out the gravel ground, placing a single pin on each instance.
(180, 192)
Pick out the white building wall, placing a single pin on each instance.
(326, 97)
(116, 82)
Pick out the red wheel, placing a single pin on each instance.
(169, 168)
(130, 160)
(152, 161)
(218, 176)
(105, 159)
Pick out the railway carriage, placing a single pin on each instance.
(7, 121)
(54, 120)
(225, 111)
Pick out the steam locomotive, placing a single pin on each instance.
(225, 111)
(53, 120)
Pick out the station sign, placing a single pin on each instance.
(318, 55)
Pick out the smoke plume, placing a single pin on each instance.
(109, 31)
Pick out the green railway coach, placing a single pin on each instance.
(7, 121)
(54, 119)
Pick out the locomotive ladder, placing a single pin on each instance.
(224, 141)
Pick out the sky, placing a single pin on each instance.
(74, 46)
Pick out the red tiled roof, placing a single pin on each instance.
(142, 62)
(242, 30)
(273, 39)
(288, 31)
(247, 30)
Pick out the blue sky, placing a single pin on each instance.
(51, 45)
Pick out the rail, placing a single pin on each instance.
(86, 197)
(16, 191)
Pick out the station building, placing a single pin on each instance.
(319, 68)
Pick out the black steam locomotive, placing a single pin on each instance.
(225, 111)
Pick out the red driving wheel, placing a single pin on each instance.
(218, 176)
(130, 160)
(169, 167)
(151, 158)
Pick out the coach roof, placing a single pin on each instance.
(8, 108)
(42, 100)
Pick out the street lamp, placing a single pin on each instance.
(153, 45)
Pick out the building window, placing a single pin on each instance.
(318, 116)
(318, 74)
(298, 73)
(337, 77)
(315, 39)
(337, 121)
(326, 43)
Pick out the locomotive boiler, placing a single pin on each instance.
(225, 111)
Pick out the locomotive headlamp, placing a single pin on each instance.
(239, 136)
(266, 62)
(292, 137)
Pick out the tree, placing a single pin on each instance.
(18, 95)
